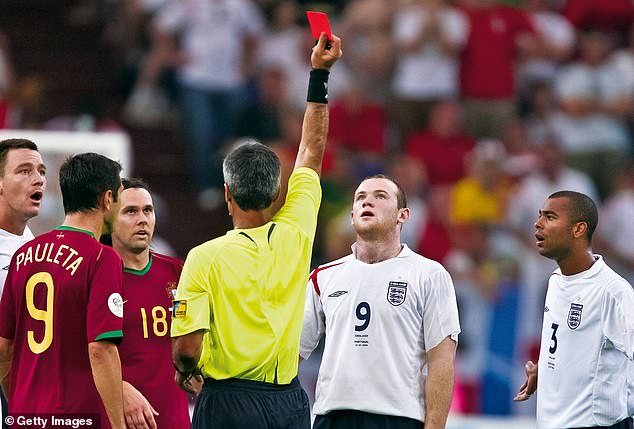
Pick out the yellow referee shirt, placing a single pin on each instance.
(247, 290)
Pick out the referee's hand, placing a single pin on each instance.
(323, 58)
(190, 383)
(530, 385)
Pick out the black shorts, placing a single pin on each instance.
(351, 419)
(623, 424)
(247, 404)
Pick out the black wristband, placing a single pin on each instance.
(318, 86)
(190, 373)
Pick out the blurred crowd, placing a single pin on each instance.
(479, 108)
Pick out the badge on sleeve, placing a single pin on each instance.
(179, 310)
(115, 304)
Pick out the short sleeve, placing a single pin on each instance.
(302, 201)
(192, 306)
(440, 314)
(104, 315)
(618, 317)
(314, 324)
(7, 309)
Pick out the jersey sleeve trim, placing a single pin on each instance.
(313, 276)
(108, 335)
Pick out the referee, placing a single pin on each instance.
(588, 330)
(238, 312)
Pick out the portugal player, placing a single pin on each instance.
(151, 397)
(61, 310)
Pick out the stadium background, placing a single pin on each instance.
(73, 89)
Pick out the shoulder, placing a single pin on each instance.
(106, 253)
(167, 260)
(425, 266)
(207, 251)
(334, 266)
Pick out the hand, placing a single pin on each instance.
(190, 383)
(139, 414)
(530, 385)
(323, 58)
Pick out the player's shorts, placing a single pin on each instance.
(236, 403)
(623, 424)
(351, 419)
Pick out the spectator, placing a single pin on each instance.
(616, 233)
(428, 36)
(215, 60)
(594, 101)
(442, 147)
(481, 196)
(498, 36)
(612, 17)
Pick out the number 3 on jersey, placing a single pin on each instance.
(553, 348)
(45, 315)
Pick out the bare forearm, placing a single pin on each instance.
(106, 371)
(186, 352)
(438, 392)
(314, 135)
(6, 353)
(439, 386)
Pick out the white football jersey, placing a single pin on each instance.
(379, 321)
(586, 348)
(9, 243)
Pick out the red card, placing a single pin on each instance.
(319, 24)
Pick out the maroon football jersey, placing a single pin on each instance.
(63, 291)
(146, 350)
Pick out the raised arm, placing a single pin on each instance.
(315, 126)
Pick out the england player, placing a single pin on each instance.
(391, 322)
(61, 310)
(587, 340)
(22, 184)
(242, 294)
(151, 397)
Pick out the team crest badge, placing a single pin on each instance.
(396, 293)
(171, 290)
(574, 316)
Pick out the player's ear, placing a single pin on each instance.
(106, 200)
(227, 195)
(403, 215)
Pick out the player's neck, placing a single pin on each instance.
(576, 262)
(134, 261)
(14, 225)
(85, 221)
(372, 251)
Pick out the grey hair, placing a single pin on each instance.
(252, 172)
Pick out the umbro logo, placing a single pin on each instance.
(6, 268)
(546, 309)
(338, 293)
